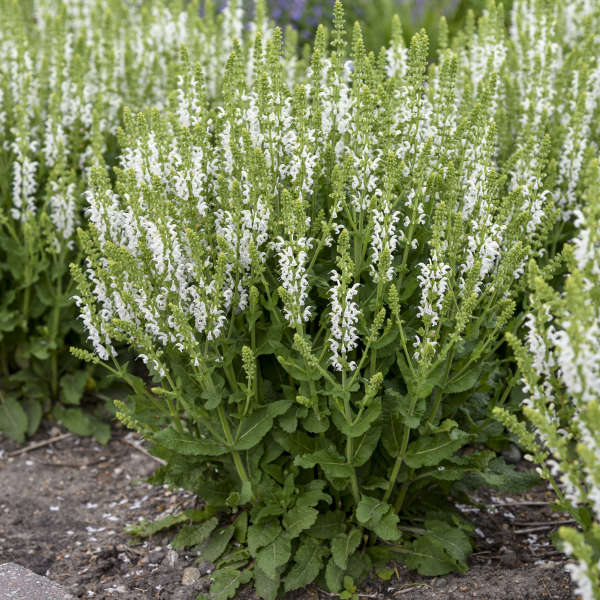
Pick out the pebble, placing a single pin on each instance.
(205, 567)
(184, 593)
(155, 556)
(509, 558)
(170, 560)
(190, 576)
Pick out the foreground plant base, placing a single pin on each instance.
(65, 549)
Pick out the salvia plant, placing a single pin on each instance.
(317, 263)
(67, 70)
(560, 366)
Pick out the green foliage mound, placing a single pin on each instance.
(66, 71)
(318, 263)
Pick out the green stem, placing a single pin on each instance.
(3, 361)
(54, 339)
(239, 465)
(350, 446)
(402, 495)
(401, 455)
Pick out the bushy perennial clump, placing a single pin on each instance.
(67, 69)
(318, 270)
(560, 364)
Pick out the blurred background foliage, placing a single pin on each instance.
(376, 16)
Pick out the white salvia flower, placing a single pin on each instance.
(343, 319)
(63, 210)
(580, 575)
(100, 342)
(384, 236)
(433, 281)
(293, 259)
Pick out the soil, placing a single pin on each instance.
(64, 506)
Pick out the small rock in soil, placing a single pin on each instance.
(205, 567)
(509, 558)
(190, 576)
(156, 555)
(170, 561)
(184, 593)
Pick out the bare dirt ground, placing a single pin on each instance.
(64, 506)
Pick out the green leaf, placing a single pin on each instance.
(506, 478)
(254, 428)
(297, 369)
(343, 546)
(216, 544)
(74, 419)
(333, 577)
(369, 416)
(364, 446)
(227, 581)
(333, 464)
(101, 431)
(144, 529)
(371, 509)
(328, 525)
(428, 451)
(33, 408)
(297, 443)
(313, 493)
(298, 519)
(308, 562)
(266, 587)
(440, 550)
(258, 424)
(275, 555)
(192, 535)
(387, 527)
(187, 444)
(464, 382)
(241, 527)
(13, 419)
(262, 535)
(72, 386)
(385, 574)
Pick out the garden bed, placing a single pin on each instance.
(64, 506)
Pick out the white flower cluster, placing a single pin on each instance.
(229, 194)
(561, 377)
(344, 317)
(65, 80)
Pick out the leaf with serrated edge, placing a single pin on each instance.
(193, 535)
(343, 546)
(275, 555)
(227, 581)
(431, 450)
(188, 445)
(333, 577)
(216, 544)
(299, 518)
(307, 565)
(262, 535)
(266, 587)
(371, 509)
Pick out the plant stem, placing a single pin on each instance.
(239, 465)
(350, 445)
(402, 495)
(401, 455)
(54, 338)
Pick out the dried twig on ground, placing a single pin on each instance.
(37, 445)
